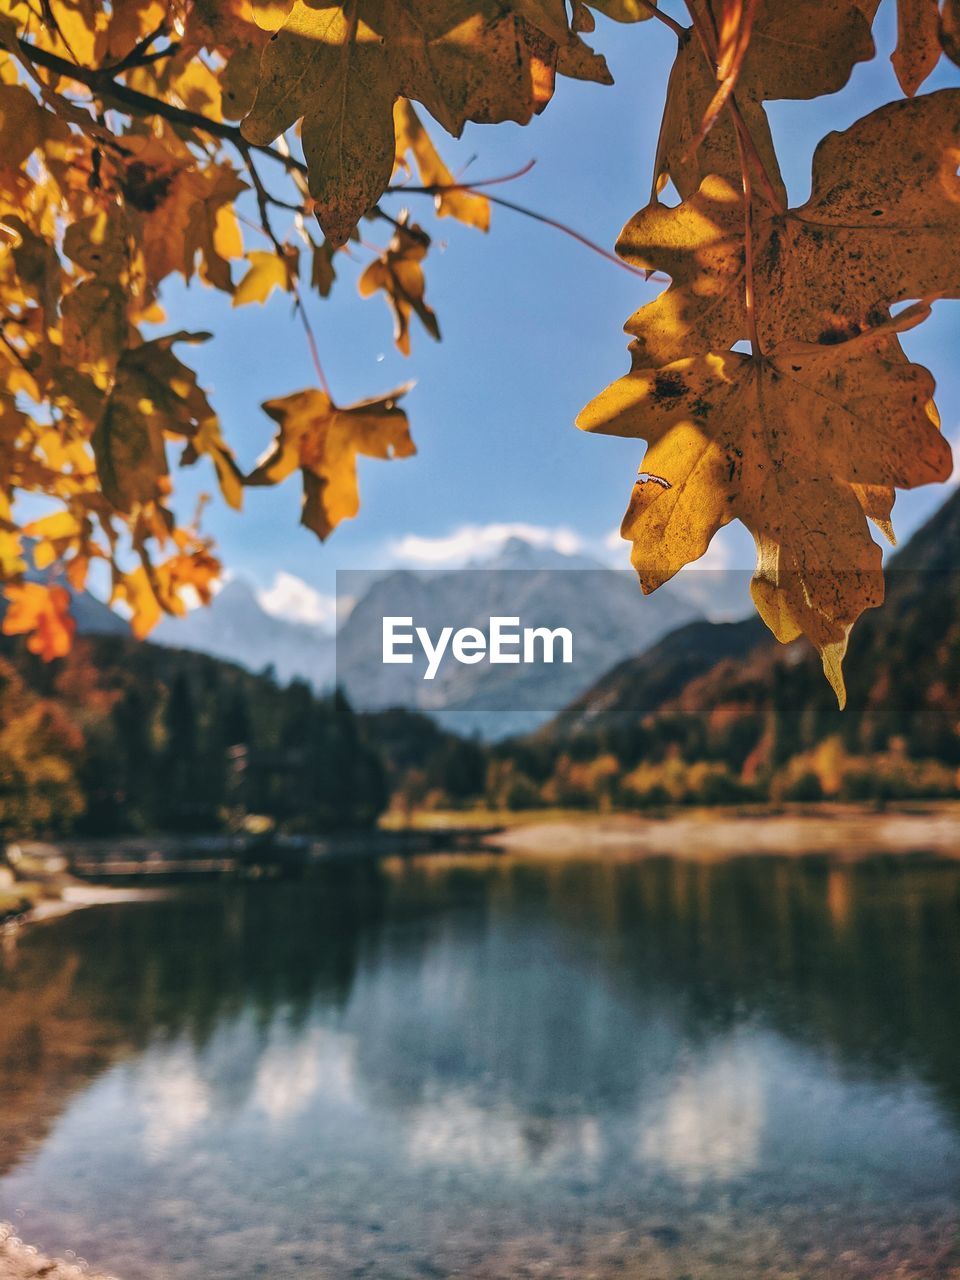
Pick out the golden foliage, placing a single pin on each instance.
(808, 436)
(399, 275)
(788, 445)
(323, 441)
(129, 132)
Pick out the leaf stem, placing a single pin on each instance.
(438, 188)
(749, 293)
(707, 38)
(665, 18)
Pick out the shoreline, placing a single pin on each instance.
(20, 1261)
(845, 832)
(75, 897)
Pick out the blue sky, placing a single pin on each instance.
(532, 329)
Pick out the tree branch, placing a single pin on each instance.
(132, 102)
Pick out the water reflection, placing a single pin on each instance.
(498, 1068)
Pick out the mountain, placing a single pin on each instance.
(636, 686)
(733, 694)
(603, 608)
(236, 627)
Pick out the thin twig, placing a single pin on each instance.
(665, 18)
(138, 53)
(312, 342)
(263, 199)
(441, 188)
(567, 231)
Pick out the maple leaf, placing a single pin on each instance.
(267, 271)
(180, 211)
(882, 225)
(42, 613)
(135, 590)
(399, 275)
(154, 394)
(798, 49)
(918, 43)
(412, 137)
(323, 441)
(342, 70)
(950, 30)
(322, 271)
(25, 125)
(794, 444)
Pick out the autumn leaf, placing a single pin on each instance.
(798, 49)
(136, 591)
(95, 325)
(12, 563)
(25, 125)
(882, 225)
(343, 70)
(399, 275)
(154, 395)
(42, 614)
(267, 271)
(322, 271)
(950, 29)
(52, 535)
(323, 441)
(918, 43)
(413, 139)
(794, 444)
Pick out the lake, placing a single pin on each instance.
(499, 1068)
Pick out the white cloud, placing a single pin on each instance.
(296, 601)
(479, 542)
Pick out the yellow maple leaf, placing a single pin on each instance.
(399, 275)
(342, 70)
(795, 444)
(798, 49)
(42, 614)
(323, 441)
(412, 138)
(267, 271)
(882, 225)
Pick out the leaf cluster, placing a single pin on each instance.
(244, 144)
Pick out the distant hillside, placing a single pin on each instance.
(721, 710)
(237, 628)
(639, 685)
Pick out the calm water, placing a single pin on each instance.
(497, 1069)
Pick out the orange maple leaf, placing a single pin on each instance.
(43, 615)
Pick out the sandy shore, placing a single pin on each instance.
(19, 1261)
(842, 832)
